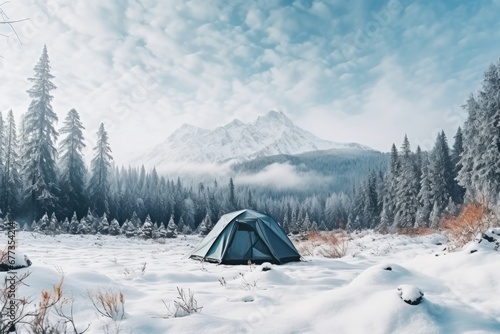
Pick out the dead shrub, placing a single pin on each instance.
(109, 303)
(474, 219)
(54, 302)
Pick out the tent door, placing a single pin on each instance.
(246, 245)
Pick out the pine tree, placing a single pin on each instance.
(171, 228)
(389, 202)
(101, 170)
(65, 226)
(488, 180)
(72, 166)
(472, 150)
(458, 148)
(40, 134)
(162, 231)
(425, 200)
(83, 227)
(147, 228)
(232, 198)
(406, 189)
(43, 223)
(12, 183)
(53, 225)
(114, 227)
(104, 225)
(441, 172)
(73, 225)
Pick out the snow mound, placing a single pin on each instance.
(487, 241)
(410, 294)
(242, 297)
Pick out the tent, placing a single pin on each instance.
(246, 235)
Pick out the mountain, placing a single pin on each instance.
(272, 134)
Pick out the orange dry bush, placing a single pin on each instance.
(472, 220)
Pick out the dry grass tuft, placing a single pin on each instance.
(184, 305)
(327, 244)
(109, 303)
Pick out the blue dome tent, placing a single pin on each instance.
(246, 235)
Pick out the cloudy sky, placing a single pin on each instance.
(348, 71)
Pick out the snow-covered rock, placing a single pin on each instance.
(410, 294)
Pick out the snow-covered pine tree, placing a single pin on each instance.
(472, 150)
(101, 168)
(72, 166)
(65, 226)
(389, 203)
(406, 189)
(155, 231)
(441, 173)
(458, 148)
(171, 228)
(43, 223)
(73, 225)
(181, 224)
(162, 231)
(425, 200)
(135, 220)
(12, 183)
(488, 180)
(371, 211)
(34, 227)
(130, 229)
(114, 227)
(39, 166)
(83, 227)
(104, 225)
(53, 227)
(147, 229)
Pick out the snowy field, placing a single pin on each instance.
(354, 294)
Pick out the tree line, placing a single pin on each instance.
(39, 180)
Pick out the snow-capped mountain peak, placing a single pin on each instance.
(271, 134)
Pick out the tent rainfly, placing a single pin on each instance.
(246, 235)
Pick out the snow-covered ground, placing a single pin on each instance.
(355, 294)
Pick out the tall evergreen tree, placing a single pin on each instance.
(472, 142)
(101, 170)
(441, 172)
(232, 198)
(458, 148)
(389, 203)
(12, 183)
(425, 202)
(40, 135)
(72, 166)
(406, 189)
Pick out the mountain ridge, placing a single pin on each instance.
(270, 134)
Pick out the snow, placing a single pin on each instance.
(360, 293)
